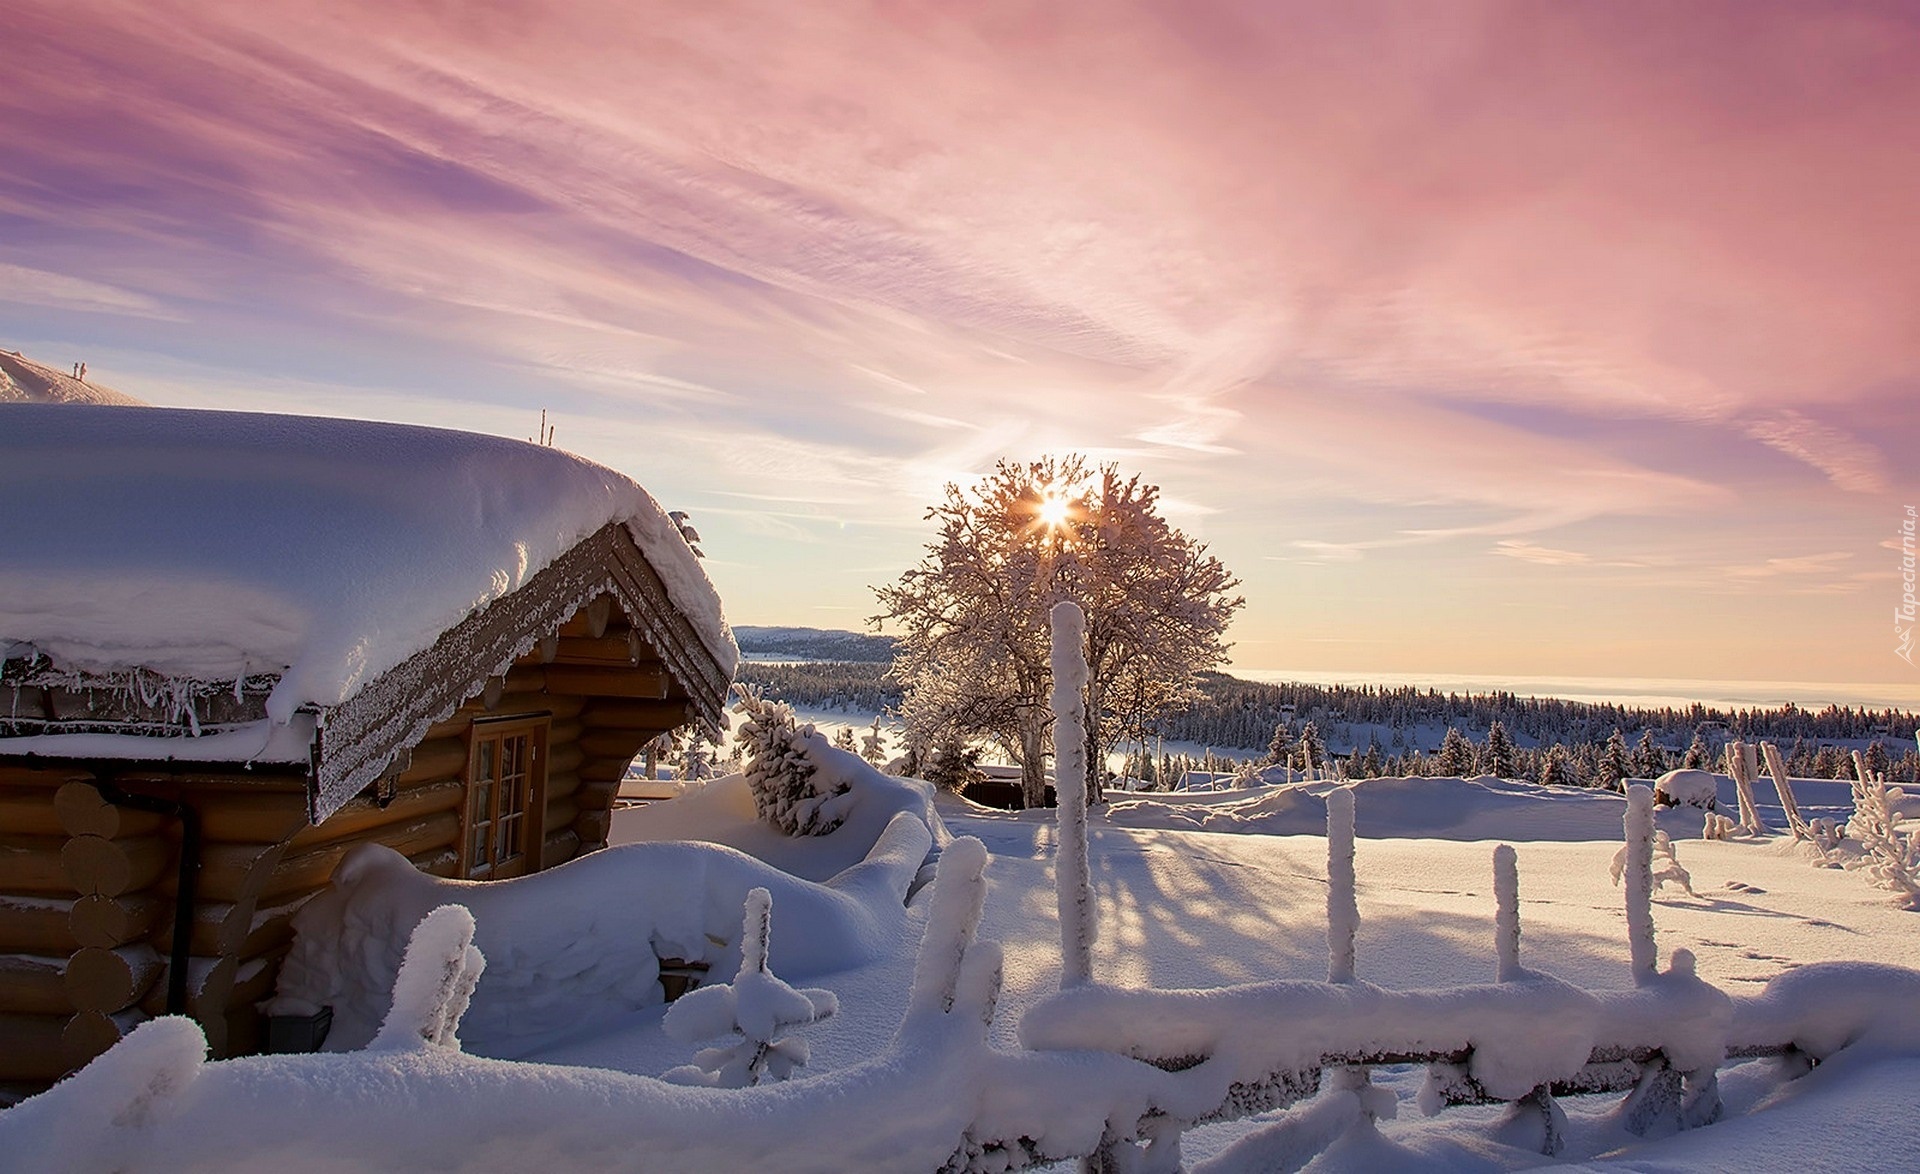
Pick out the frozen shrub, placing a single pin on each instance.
(757, 1007)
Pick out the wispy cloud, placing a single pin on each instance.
(1849, 463)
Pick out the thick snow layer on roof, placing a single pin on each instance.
(24, 381)
(211, 544)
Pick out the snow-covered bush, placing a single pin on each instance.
(1694, 788)
(1889, 857)
(757, 1007)
(1666, 866)
(780, 772)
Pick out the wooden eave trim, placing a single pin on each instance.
(359, 738)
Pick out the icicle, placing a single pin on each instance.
(1073, 881)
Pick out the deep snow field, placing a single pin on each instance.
(1178, 907)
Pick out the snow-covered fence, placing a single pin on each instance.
(1525, 1039)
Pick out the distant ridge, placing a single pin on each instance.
(24, 381)
(763, 643)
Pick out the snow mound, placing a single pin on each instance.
(1695, 788)
(26, 382)
(1483, 808)
(722, 812)
(212, 545)
(579, 946)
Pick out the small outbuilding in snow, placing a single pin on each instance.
(233, 646)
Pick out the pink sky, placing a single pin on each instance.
(1575, 338)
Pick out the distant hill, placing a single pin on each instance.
(760, 643)
(24, 381)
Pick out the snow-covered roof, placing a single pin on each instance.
(24, 381)
(215, 546)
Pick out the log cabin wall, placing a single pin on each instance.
(87, 888)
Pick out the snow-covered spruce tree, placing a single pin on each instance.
(972, 657)
(757, 1007)
(1649, 761)
(1455, 759)
(1616, 762)
(1280, 746)
(873, 745)
(1313, 751)
(780, 774)
(843, 739)
(1555, 771)
(1698, 756)
(1498, 760)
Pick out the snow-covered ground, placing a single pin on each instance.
(1178, 908)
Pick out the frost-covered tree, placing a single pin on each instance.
(1876, 758)
(1498, 760)
(873, 745)
(696, 757)
(1280, 746)
(1456, 755)
(1312, 752)
(757, 1007)
(1555, 770)
(972, 656)
(780, 773)
(1616, 762)
(1649, 761)
(843, 739)
(1698, 756)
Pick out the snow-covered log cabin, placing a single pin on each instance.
(233, 646)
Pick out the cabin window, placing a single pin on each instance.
(506, 775)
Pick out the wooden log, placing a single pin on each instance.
(560, 814)
(620, 745)
(587, 680)
(30, 1049)
(605, 770)
(439, 862)
(592, 827)
(36, 925)
(95, 864)
(599, 615)
(90, 1033)
(613, 649)
(435, 759)
(236, 872)
(106, 922)
(564, 756)
(648, 716)
(311, 869)
(559, 786)
(30, 984)
(559, 848)
(597, 795)
(252, 819)
(209, 984)
(31, 864)
(30, 813)
(364, 814)
(111, 980)
(220, 927)
(83, 812)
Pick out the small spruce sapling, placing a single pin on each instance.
(873, 745)
(757, 1007)
(779, 772)
(1889, 857)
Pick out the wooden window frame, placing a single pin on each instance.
(531, 835)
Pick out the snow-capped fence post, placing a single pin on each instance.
(1644, 956)
(1072, 880)
(1506, 896)
(1743, 764)
(1343, 906)
(435, 983)
(1777, 767)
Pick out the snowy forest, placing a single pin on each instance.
(1375, 731)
